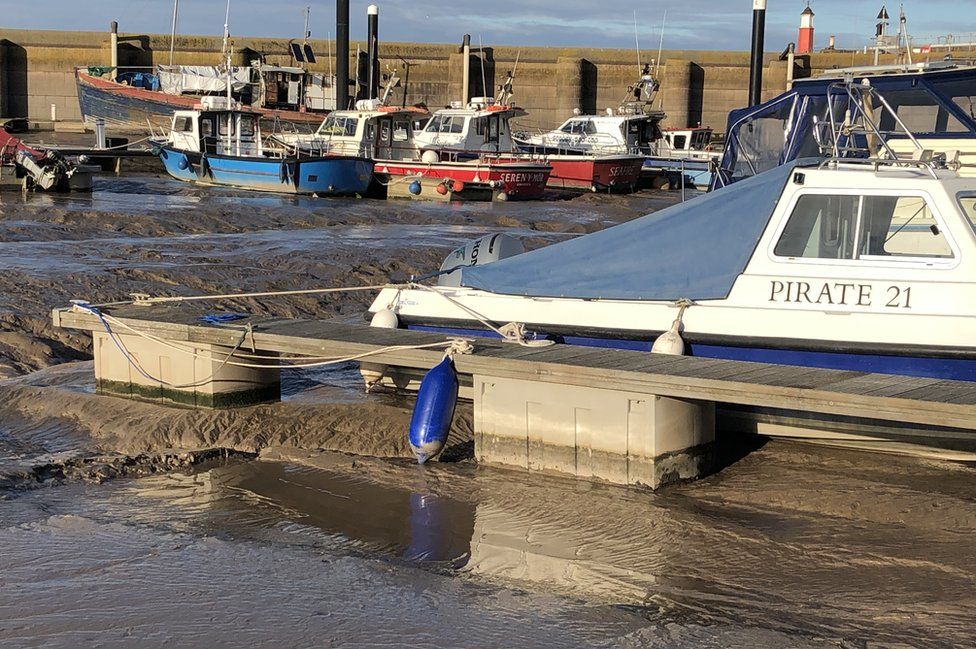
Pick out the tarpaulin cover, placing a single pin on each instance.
(694, 250)
(198, 79)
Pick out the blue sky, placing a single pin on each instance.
(691, 24)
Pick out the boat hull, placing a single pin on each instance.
(325, 176)
(936, 362)
(133, 108)
(618, 173)
(518, 181)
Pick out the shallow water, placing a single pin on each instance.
(790, 546)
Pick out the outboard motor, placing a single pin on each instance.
(487, 249)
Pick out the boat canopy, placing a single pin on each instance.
(199, 79)
(693, 250)
(937, 102)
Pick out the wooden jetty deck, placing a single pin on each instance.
(921, 402)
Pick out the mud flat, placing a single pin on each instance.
(305, 523)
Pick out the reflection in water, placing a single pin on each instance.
(724, 552)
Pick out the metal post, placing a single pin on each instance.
(758, 42)
(172, 33)
(100, 141)
(342, 54)
(791, 65)
(373, 19)
(113, 45)
(466, 70)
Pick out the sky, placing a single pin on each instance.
(690, 24)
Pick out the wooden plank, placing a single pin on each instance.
(940, 392)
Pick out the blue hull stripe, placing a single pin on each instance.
(957, 369)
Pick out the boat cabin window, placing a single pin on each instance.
(247, 125)
(680, 141)
(222, 122)
(446, 124)
(968, 204)
(821, 227)
(824, 226)
(920, 111)
(487, 127)
(183, 124)
(900, 226)
(579, 127)
(401, 131)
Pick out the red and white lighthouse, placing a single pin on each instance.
(804, 42)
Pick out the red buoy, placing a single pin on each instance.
(458, 186)
(442, 189)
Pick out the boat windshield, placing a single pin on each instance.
(446, 124)
(579, 127)
(340, 126)
(968, 204)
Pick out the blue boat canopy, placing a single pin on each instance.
(933, 100)
(693, 250)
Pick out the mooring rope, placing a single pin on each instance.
(453, 345)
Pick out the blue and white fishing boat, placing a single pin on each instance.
(219, 143)
(837, 262)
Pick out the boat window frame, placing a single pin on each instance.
(870, 261)
(967, 193)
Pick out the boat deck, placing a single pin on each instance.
(919, 401)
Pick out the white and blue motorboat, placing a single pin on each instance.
(219, 143)
(836, 262)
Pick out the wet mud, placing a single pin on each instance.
(306, 522)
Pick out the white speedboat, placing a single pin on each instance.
(632, 128)
(864, 264)
(836, 264)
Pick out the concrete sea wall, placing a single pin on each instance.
(36, 71)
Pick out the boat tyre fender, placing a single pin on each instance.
(204, 169)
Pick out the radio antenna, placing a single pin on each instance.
(481, 53)
(660, 45)
(637, 43)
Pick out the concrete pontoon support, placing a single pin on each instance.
(626, 438)
(191, 377)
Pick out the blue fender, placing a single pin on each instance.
(434, 411)
(183, 163)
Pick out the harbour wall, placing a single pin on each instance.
(37, 70)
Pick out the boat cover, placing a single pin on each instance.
(935, 103)
(693, 250)
(200, 79)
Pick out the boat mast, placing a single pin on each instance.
(227, 53)
(172, 34)
(305, 35)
